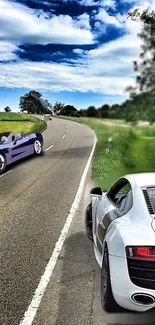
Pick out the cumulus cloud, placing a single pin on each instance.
(57, 77)
(82, 22)
(109, 4)
(19, 23)
(104, 17)
(88, 3)
(7, 51)
(105, 70)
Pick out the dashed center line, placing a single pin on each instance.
(63, 136)
(49, 147)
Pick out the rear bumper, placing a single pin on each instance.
(122, 287)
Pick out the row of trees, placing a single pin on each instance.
(141, 107)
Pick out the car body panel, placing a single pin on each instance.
(123, 288)
(129, 224)
(22, 148)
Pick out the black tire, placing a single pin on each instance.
(107, 299)
(38, 148)
(2, 163)
(88, 221)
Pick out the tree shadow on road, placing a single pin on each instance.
(76, 152)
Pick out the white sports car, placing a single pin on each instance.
(121, 223)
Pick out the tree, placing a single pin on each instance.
(146, 65)
(69, 110)
(33, 103)
(58, 107)
(104, 111)
(115, 111)
(7, 109)
(83, 112)
(92, 111)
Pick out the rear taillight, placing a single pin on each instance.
(141, 252)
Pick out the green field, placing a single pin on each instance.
(132, 149)
(20, 123)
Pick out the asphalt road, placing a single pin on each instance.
(35, 199)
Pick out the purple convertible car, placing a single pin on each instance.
(16, 147)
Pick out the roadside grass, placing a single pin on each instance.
(132, 149)
(20, 123)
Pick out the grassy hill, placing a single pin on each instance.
(20, 123)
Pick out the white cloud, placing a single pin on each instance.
(108, 3)
(104, 17)
(121, 21)
(78, 51)
(21, 24)
(82, 22)
(88, 3)
(7, 51)
(57, 77)
(105, 70)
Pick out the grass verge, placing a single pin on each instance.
(20, 123)
(132, 149)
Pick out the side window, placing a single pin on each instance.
(120, 192)
(125, 189)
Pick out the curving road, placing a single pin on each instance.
(35, 198)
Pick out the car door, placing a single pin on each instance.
(21, 148)
(109, 208)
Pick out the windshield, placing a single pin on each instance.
(151, 193)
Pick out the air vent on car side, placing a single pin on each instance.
(148, 202)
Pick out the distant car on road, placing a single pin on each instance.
(48, 117)
(16, 147)
(121, 223)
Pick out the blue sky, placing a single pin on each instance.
(79, 52)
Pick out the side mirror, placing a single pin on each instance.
(96, 191)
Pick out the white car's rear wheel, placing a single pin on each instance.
(2, 163)
(37, 147)
(108, 302)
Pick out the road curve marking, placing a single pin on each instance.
(49, 147)
(63, 136)
(6, 173)
(36, 300)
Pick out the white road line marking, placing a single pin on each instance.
(67, 130)
(36, 300)
(63, 136)
(49, 147)
(6, 173)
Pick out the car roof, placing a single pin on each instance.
(142, 179)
